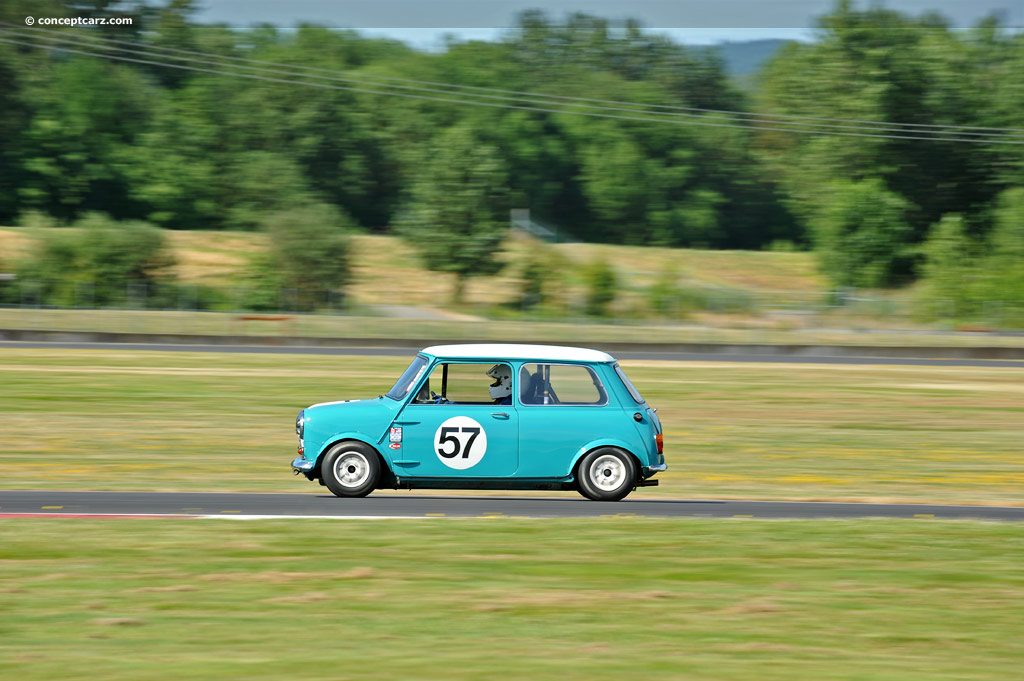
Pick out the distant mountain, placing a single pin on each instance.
(746, 57)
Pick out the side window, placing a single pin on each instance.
(566, 384)
(458, 383)
(633, 392)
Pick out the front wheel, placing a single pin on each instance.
(350, 469)
(606, 474)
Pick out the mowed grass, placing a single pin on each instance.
(114, 420)
(481, 599)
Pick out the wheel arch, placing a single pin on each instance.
(329, 443)
(599, 444)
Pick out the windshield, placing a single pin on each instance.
(629, 385)
(408, 379)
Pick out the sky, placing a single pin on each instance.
(424, 23)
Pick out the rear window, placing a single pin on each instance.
(634, 393)
(565, 384)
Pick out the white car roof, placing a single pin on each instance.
(518, 351)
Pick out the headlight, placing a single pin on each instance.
(300, 423)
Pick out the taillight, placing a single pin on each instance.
(660, 442)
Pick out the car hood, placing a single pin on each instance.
(328, 419)
(346, 409)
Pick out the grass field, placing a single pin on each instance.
(450, 599)
(481, 599)
(109, 420)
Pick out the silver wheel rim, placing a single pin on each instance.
(351, 469)
(607, 473)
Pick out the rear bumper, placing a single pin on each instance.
(302, 465)
(648, 473)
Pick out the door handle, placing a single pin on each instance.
(499, 414)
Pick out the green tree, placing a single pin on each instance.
(1008, 235)
(1004, 268)
(14, 117)
(602, 285)
(875, 64)
(175, 167)
(543, 276)
(535, 278)
(89, 112)
(667, 298)
(950, 272)
(262, 183)
(309, 256)
(963, 279)
(99, 262)
(457, 209)
(860, 234)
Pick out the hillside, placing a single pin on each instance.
(746, 57)
(387, 271)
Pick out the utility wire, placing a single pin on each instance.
(358, 77)
(487, 104)
(517, 100)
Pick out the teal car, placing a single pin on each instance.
(489, 416)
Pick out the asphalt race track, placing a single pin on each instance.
(409, 505)
(412, 505)
(404, 505)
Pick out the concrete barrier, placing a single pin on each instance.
(612, 347)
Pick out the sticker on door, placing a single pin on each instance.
(460, 442)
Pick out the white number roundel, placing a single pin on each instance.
(460, 442)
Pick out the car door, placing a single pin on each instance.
(454, 429)
(562, 407)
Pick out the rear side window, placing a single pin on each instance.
(634, 393)
(565, 384)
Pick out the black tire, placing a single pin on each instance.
(606, 474)
(350, 469)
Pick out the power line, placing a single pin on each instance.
(517, 100)
(540, 97)
(489, 104)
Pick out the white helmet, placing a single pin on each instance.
(502, 386)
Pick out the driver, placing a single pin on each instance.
(501, 389)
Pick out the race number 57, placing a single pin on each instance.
(460, 442)
(447, 437)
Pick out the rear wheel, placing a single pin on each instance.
(350, 469)
(606, 474)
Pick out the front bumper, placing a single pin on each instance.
(302, 465)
